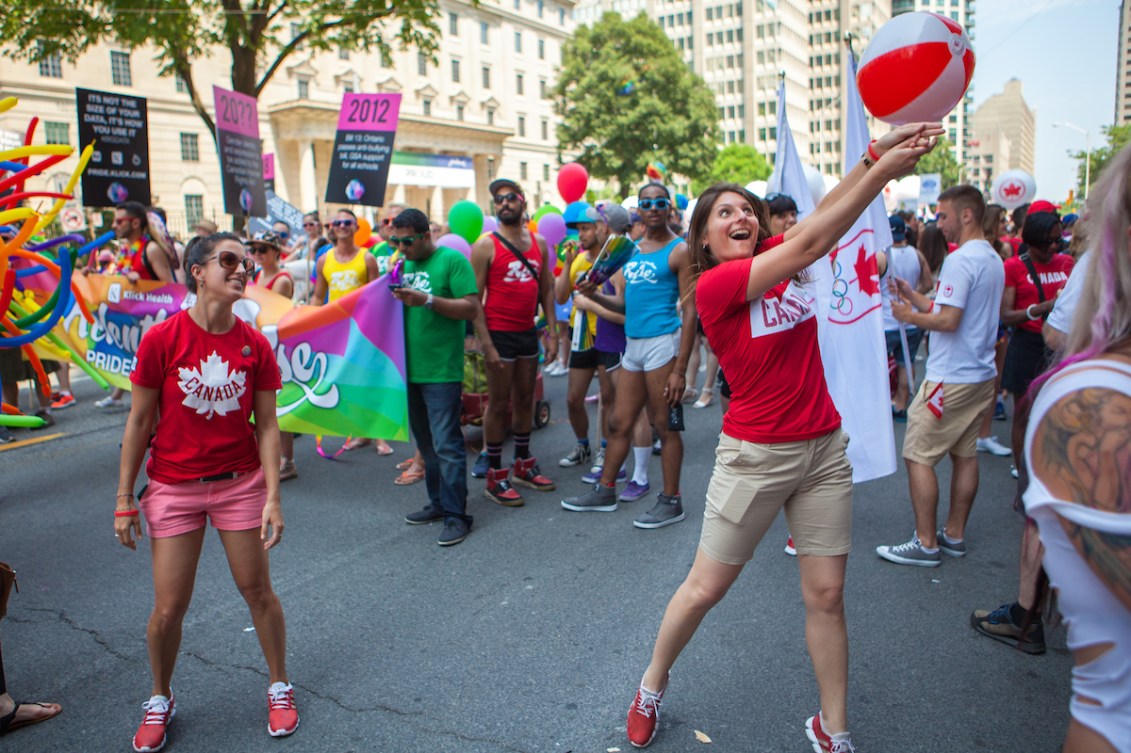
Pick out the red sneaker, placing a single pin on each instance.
(823, 742)
(159, 712)
(644, 717)
(526, 473)
(499, 489)
(61, 400)
(282, 713)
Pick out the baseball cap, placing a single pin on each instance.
(498, 183)
(898, 228)
(1069, 220)
(1043, 206)
(267, 239)
(617, 218)
(579, 212)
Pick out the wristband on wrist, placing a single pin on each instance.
(126, 494)
(1029, 312)
(125, 513)
(867, 160)
(872, 151)
(930, 308)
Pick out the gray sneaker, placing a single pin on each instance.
(666, 511)
(599, 461)
(953, 548)
(910, 553)
(580, 454)
(600, 499)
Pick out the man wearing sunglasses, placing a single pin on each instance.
(514, 275)
(440, 296)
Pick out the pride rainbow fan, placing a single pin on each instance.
(616, 252)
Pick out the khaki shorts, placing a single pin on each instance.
(810, 480)
(930, 439)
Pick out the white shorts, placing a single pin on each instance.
(650, 353)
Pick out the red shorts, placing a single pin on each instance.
(233, 505)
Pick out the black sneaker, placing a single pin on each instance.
(421, 517)
(6, 436)
(48, 419)
(455, 531)
(666, 511)
(1000, 626)
(600, 499)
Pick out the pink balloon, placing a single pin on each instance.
(552, 227)
(490, 225)
(451, 240)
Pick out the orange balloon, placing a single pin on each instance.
(364, 230)
(533, 226)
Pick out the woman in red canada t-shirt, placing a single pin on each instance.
(781, 445)
(201, 375)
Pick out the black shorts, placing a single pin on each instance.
(592, 358)
(515, 345)
(1026, 358)
(724, 388)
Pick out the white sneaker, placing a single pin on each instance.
(108, 402)
(992, 446)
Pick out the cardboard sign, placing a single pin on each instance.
(119, 167)
(241, 153)
(363, 149)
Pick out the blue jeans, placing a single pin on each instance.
(433, 416)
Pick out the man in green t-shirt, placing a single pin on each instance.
(439, 295)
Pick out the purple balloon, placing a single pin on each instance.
(490, 225)
(451, 240)
(552, 227)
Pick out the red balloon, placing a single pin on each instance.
(572, 182)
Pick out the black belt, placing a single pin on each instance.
(220, 477)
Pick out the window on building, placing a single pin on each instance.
(490, 116)
(541, 7)
(455, 71)
(348, 88)
(303, 88)
(545, 130)
(518, 42)
(180, 84)
(518, 84)
(453, 24)
(542, 88)
(459, 112)
(120, 68)
(518, 4)
(190, 147)
(522, 171)
(194, 208)
(522, 126)
(57, 133)
(421, 64)
(343, 53)
(426, 108)
(483, 38)
(546, 173)
(561, 16)
(51, 66)
(710, 14)
(541, 49)
(486, 77)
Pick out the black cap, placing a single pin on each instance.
(498, 183)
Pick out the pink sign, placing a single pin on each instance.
(369, 112)
(236, 113)
(269, 166)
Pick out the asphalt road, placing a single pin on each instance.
(529, 636)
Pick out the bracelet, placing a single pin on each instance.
(872, 151)
(130, 495)
(125, 513)
(867, 160)
(1029, 312)
(930, 308)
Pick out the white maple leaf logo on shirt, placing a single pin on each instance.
(213, 389)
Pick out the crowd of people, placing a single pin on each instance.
(1001, 303)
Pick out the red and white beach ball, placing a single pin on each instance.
(1013, 188)
(916, 69)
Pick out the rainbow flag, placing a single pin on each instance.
(616, 252)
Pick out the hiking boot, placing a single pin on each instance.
(600, 499)
(159, 713)
(666, 511)
(953, 548)
(455, 531)
(823, 742)
(910, 553)
(527, 473)
(594, 476)
(482, 465)
(1000, 626)
(422, 517)
(580, 454)
(62, 400)
(282, 713)
(499, 489)
(644, 717)
(634, 492)
(992, 446)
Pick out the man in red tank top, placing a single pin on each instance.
(514, 274)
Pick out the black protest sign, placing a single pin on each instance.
(363, 149)
(119, 165)
(241, 153)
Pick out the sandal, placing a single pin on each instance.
(287, 470)
(689, 394)
(410, 476)
(356, 443)
(704, 399)
(404, 465)
(9, 724)
(383, 448)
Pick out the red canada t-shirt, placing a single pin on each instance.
(207, 385)
(1054, 276)
(768, 350)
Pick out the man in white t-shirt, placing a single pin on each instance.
(959, 387)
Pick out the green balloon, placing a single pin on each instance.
(466, 220)
(544, 210)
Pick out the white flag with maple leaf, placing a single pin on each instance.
(852, 330)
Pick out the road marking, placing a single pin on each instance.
(30, 442)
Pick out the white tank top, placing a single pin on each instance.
(1092, 612)
(903, 262)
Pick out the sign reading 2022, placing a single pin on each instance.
(238, 113)
(368, 111)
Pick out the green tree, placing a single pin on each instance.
(1117, 137)
(941, 160)
(260, 35)
(734, 163)
(626, 98)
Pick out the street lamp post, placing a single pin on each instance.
(1087, 152)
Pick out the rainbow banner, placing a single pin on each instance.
(343, 364)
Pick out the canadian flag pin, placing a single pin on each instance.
(246, 350)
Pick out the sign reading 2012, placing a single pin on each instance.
(363, 149)
(363, 111)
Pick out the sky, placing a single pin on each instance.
(1065, 54)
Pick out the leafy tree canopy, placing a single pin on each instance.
(1117, 137)
(260, 34)
(734, 163)
(941, 160)
(626, 98)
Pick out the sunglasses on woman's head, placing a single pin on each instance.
(660, 203)
(408, 240)
(342, 223)
(310, 224)
(231, 261)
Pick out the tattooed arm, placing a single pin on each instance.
(1082, 453)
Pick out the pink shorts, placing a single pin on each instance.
(233, 505)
